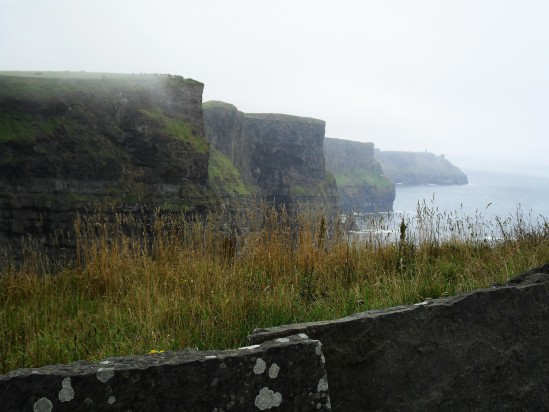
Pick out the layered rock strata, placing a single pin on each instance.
(362, 185)
(279, 157)
(71, 141)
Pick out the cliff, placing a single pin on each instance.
(360, 180)
(419, 168)
(278, 157)
(70, 141)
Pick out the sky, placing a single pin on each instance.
(465, 78)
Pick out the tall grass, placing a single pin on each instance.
(171, 282)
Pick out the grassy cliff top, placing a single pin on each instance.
(283, 117)
(40, 85)
(359, 177)
(217, 104)
(83, 75)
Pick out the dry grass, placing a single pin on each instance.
(172, 282)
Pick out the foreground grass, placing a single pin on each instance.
(181, 283)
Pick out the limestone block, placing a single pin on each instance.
(285, 374)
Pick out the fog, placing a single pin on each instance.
(467, 79)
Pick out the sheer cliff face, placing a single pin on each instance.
(280, 157)
(419, 168)
(360, 179)
(71, 141)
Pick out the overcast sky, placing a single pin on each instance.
(468, 79)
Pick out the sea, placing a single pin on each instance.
(492, 194)
(494, 205)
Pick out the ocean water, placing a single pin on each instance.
(490, 194)
(491, 207)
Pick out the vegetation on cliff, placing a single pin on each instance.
(358, 177)
(178, 129)
(70, 141)
(279, 157)
(223, 175)
(362, 185)
(170, 282)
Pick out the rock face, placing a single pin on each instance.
(279, 157)
(72, 140)
(360, 180)
(417, 168)
(284, 375)
(483, 350)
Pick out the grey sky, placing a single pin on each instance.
(469, 79)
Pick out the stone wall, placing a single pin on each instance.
(284, 375)
(478, 351)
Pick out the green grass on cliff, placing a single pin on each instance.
(19, 127)
(14, 127)
(224, 176)
(188, 284)
(215, 104)
(359, 177)
(321, 188)
(178, 129)
(40, 87)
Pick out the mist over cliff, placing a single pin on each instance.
(73, 142)
(70, 141)
(419, 168)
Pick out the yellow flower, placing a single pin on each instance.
(152, 351)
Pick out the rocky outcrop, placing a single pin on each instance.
(71, 141)
(278, 157)
(417, 168)
(285, 375)
(360, 180)
(483, 350)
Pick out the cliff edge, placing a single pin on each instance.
(419, 168)
(277, 156)
(362, 185)
(71, 141)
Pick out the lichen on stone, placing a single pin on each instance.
(267, 399)
(259, 366)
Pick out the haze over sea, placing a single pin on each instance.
(489, 193)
